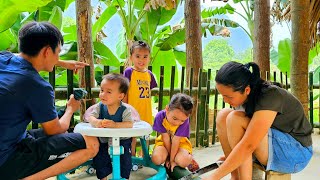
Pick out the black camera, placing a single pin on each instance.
(79, 94)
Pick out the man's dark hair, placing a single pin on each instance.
(34, 36)
(123, 81)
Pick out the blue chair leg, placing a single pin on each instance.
(146, 161)
(62, 177)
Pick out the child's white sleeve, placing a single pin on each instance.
(126, 115)
(93, 110)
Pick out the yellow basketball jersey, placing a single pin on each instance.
(139, 94)
(171, 130)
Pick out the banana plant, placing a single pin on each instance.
(140, 19)
(247, 7)
(149, 23)
(281, 57)
(18, 12)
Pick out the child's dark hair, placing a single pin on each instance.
(238, 76)
(123, 81)
(182, 102)
(34, 36)
(140, 45)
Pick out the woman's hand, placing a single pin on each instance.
(72, 65)
(211, 177)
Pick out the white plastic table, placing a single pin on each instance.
(140, 128)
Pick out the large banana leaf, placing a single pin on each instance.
(171, 40)
(8, 40)
(121, 50)
(68, 2)
(215, 26)
(10, 9)
(139, 4)
(177, 37)
(153, 19)
(27, 18)
(149, 24)
(103, 19)
(210, 23)
(221, 22)
(166, 15)
(69, 51)
(237, 1)
(105, 54)
(166, 59)
(181, 57)
(44, 13)
(312, 54)
(118, 3)
(227, 9)
(61, 78)
(56, 17)
(70, 33)
(284, 56)
(316, 77)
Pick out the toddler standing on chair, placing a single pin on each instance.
(112, 113)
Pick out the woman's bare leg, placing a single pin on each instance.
(237, 124)
(223, 137)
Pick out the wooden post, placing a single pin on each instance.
(261, 38)
(192, 14)
(300, 50)
(85, 44)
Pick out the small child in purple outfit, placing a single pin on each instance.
(172, 146)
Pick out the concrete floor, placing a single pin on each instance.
(206, 156)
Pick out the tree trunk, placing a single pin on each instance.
(300, 50)
(85, 44)
(192, 16)
(261, 37)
